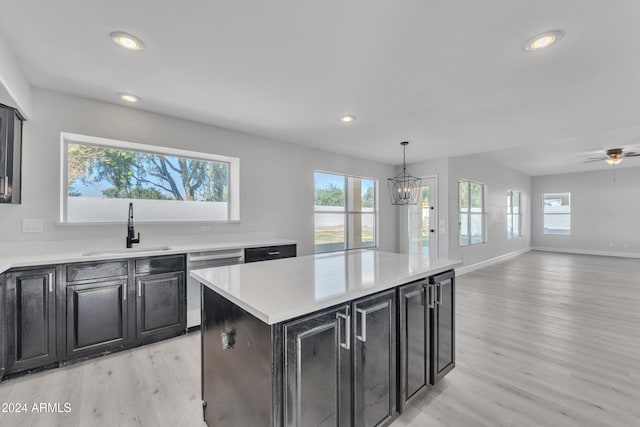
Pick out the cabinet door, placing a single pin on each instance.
(374, 359)
(3, 323)
(96, 317)
(31, 333)
(10, 155)
(317, 370)
(444, 325)
(415, 339)
(160, 306)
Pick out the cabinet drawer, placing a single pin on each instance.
(160, 264)
(269, 252)
(96, 270)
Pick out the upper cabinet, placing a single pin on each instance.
(10, 154)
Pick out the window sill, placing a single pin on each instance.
(137, 222)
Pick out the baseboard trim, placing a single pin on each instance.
(469, 268)
(587, 252)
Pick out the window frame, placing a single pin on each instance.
(483, 213)
(66, 138)
(544, 214)
(347, 212)
(511, 214)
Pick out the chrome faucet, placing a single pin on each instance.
(131, 232)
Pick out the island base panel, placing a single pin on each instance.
(236, 365)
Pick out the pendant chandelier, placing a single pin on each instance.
(404, 188)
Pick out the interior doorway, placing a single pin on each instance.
(423, 220)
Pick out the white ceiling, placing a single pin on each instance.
(450, 76)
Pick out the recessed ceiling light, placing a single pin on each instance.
(126, 40)
(347, 119)
(127, 97)
(543, 40)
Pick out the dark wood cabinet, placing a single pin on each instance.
(443, 324)
(97, 307)
(96, 301)
(3, 346)
(10, 155)
(427, 340)
(31, 318)
(267, 253)
(415, 301)
(317, 373)
(161, 302)
(97, 317)
(374, 359)
(160, 306)
(340, 365)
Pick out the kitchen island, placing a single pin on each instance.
(324, 339)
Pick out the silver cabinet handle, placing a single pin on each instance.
(363, 325)
(431, 297)
(139, 288)
(347, 325)
(273, 253)
(124, 291)
(50, 282)
(439, 293)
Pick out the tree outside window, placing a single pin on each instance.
(100, 177)
(345, 212)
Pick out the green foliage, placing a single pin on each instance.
(140, 175)
(332, 195)
(466, 190)
(368, 198)
(135, 193)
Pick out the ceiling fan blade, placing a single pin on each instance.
(631, 154)
(594, 160)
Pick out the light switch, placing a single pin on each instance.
(32, 225)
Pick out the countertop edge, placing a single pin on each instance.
(296, 312)
(176, 249)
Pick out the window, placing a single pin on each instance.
(557, 213)
(471, 207)
(345, 212)
(514, 214)
(101, 176)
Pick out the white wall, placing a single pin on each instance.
(15, 90)
(604, 214)
(276, 178)
(497, 180)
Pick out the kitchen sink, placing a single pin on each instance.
(126, 251)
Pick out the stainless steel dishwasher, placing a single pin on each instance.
(205, 259)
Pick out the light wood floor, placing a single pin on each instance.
(542, 340)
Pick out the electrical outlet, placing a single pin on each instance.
(32, 225)
(205, 228)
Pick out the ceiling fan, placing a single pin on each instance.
(614, 156)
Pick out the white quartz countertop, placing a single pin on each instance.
(279, 290)
(25, 254)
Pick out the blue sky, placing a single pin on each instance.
(323, 180)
